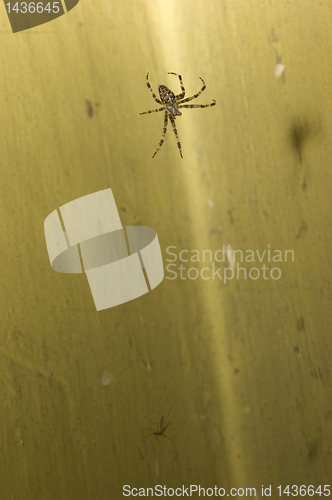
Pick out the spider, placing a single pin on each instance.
(171, 104)
(162, 426)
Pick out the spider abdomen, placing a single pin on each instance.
(168, 98)
(166, 95)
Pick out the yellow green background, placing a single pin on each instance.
(247, 364)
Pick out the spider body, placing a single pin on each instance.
(162, 426)
(169, 99)
(171, 105)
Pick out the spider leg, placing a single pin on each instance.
(153, 111)
(176, 451)
(153, 423)
(150, 88)
(196, 95)
(176, 133)
(183, 93)
(165, 426)
(149, 435)
(163, 134)
(197, 105)
(168, 414)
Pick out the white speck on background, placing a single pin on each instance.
(278, 69)
(231, 257)
(106, 378)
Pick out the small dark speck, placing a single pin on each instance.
(89, 108)
(316, 374)
(313, 449)
(303, 228)
(299, 134)
(297, 350)
(230, 214)
(236, 370)
(328, 415)
(273, 36)
(300, 324)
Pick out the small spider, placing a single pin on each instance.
(171, 104)
(162, 426)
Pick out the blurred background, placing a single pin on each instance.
(243, 366)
